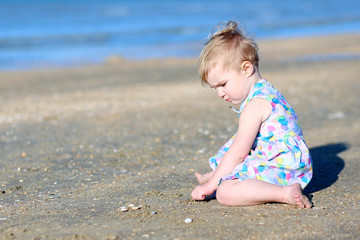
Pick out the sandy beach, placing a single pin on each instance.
(77, 144)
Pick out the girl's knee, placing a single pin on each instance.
(223, 194)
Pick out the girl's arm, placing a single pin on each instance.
(251, 118)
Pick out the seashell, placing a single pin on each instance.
(131, 205)
(136, 207)
(123, 209)
(188, 220)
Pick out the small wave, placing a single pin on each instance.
(325, 57)
(120, 11)
(138, 36)
(52, 41)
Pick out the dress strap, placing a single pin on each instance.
(234, 109)
(254, 92)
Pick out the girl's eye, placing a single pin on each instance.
(221, 85)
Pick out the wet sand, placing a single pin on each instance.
(77, 144)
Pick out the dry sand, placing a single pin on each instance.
(77, 144)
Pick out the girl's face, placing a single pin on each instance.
(231, 85)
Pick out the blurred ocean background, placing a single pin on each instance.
(41, 33)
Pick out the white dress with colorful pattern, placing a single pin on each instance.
(279, 154)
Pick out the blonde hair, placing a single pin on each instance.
(230, 45)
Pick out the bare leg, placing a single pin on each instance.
(253, 192)
(203, 178)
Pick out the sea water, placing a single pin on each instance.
(41, 33)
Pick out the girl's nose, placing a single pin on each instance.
(220, 92)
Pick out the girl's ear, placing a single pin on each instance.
(248, 68)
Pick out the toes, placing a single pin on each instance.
(302, 201)
(298, 201)
(305, 201)
(199, 178)
(198, 175)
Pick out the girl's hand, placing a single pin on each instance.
(201, 191)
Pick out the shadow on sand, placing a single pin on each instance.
(327, 166)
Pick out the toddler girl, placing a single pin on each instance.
(267, 160)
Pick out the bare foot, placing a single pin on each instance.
(294, 196)
(203, 178)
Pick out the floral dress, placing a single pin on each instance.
(279, 154)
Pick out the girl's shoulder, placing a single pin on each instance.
(262, 89)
